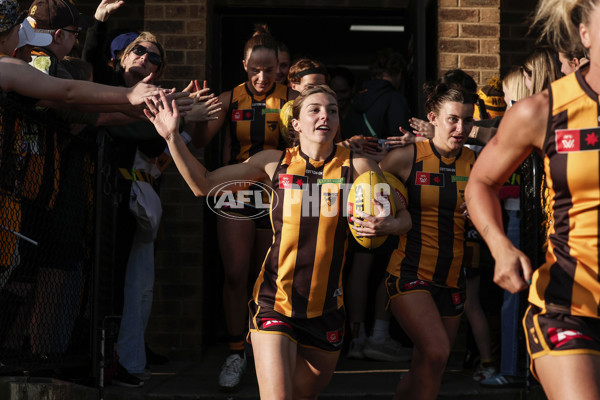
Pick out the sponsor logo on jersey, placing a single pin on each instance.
(429, 179)
(270, 110)
(456, 298)
(269, 323)
(310, 171)
(458, 178)
(414, 284)
(242, 115)
(559, 337)
(289, 181)
(572, 140)
(335, 337)
(324, 181)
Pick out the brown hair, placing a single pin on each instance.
(148, 37)
(297, 107)
(443, 93)
(306, 66)
(261, 39)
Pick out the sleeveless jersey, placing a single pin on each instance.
(302, 273)
(569, 282)
(434, 247)
(254, 120)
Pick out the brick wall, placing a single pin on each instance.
(515, 42)
(469, 37)
(176, 323)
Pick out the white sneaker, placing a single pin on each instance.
(482, 373)
(356, 349)
(388, 350)
(232, 371)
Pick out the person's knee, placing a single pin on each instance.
(436, 356)
(235, 280)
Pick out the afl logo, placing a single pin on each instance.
(241, 200)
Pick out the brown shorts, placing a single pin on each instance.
(449, 301)
(325, 332)
(559, 334)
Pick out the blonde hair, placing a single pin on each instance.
(515, 83)
(558, 21)
(542, 67)
(148, 37)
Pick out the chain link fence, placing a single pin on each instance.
(54, 188)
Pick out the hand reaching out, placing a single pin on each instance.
(163, 114)
(106, 8)
(422, 128)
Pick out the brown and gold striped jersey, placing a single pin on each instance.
(254, 120)
(302, 273)
(434, 247)
(569, 282)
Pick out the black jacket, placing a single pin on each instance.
(384, 107)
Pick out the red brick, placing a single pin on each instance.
(175, 57)
(489, 16)
(458, 15)
(491, 46)
(458, 46)
(177, 12)
(154, 12)
(447, 3)
(487, 75)
(197, 57)
(448, 29)
(477, 61)
(480, 3)
(162, 26)
(188, 42)
(448, 60)
(479, 30)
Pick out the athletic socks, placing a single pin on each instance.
(381, 329)
(359, 331)
(236, 345)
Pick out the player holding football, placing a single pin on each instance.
(297, 313)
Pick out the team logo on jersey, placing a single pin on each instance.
(429, 179)
(330, 198)
(560, 337)
(289, 181)
(242, 115)
(572, 140)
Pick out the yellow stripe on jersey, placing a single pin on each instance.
(254, 120)
(568, 282)
(292, 214)
(301, 275)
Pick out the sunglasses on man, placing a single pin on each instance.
(140, 50)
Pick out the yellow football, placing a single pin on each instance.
(285, 119)
(398, 186)
(363, 191)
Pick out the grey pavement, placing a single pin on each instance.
(353, 379)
